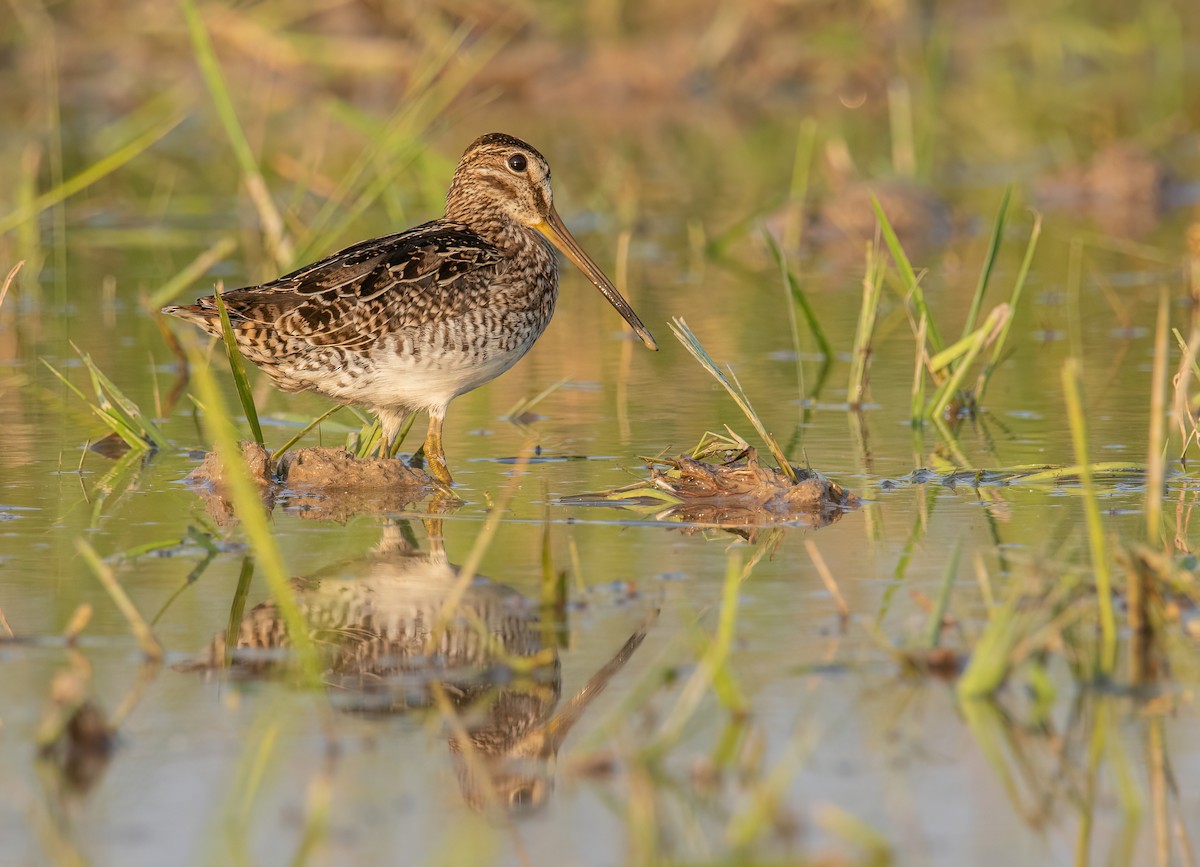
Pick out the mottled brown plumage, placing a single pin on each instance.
(408, 322)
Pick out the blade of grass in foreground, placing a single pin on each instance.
(206, 58)
(8, 281)
(998, 349)
(247, 780)
(299, 436)
(937, 617)
(988, 263)
(708, 666)
(191, 272)
(991, 656)
(692, 344)
(1095, 527)
(843, 824)
(120, 414)
(249, 508)
(237, 368)
(137, 624)
(793, 287)
(1155, 465)
(104, 166)
(974, 344)
(114, 401)
(113, 422)
(917, 397)
(860, 359)
(909, 277)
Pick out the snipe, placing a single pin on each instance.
(407, 322)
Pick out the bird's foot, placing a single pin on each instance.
(437, 470)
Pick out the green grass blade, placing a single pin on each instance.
(245, 395)
(402, 435)
(1095, 526)
(793, 286)
(1013, 302)
(933, 630)
(841, 823)
(989, 262)
(917, 397)
(192, 272)
(312, 424)
(237, 607)
(953, 352)
(692, 344)
(366, 440)
(806, 144)
(982, 336)
(12, 274)
(104, 166)
(210, 69)
(137, 624)
(122, 427)
(123, 406)
(1156, 466)
(989, 663)
(248, 506)
(907, 276)
(860, 361)
(710, 663)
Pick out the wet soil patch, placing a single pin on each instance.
(325, 483)
(739, 493)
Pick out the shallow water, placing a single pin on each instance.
(233, 765)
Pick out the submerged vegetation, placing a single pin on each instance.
(940, 604)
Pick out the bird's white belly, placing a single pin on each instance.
(422, 371)
(420, 384)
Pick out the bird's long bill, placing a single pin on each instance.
(552, 227)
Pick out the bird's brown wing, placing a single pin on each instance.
(348, 299)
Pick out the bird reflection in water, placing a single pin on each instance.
(496, 662)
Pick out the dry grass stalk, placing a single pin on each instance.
(137, 624)
(12, 275)
(827, 578)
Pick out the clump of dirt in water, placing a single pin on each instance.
(75, 736)
(324, 483)
(1124, 189)
(738, 493)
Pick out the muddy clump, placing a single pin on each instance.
(1124, 190)
(845, 222)
(75, 736)
(325, 483)
(257, 460)
(738, 493)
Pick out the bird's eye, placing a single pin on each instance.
(517, 162)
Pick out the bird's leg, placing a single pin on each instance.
(391, 422)
(434, 455)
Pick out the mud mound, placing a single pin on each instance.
(740, 493)
(327, 483)
(1124, 190)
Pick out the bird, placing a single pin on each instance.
(407, 322)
